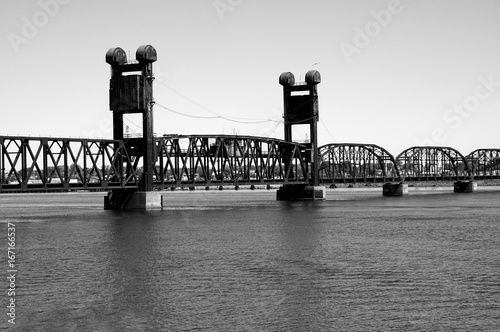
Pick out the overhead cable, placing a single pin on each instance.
(242, 120)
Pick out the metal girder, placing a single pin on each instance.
(423, 163)
(46, 163)
(199, 160)
(346, 162)
(484, 163)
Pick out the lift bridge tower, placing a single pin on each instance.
(301, 108)
(131, 92)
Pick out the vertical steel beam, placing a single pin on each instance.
(2, 163)
(45, 172)
(24, 163)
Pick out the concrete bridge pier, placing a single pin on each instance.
(394, 189)
(293, 192)
(131, 199)
(465, 186)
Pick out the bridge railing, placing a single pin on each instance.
(46, 163)
(201, 160)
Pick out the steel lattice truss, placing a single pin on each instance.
(213, 160)
(41, 164)
(421, 163)
(356, 163)
(484, 163)
(44, 164)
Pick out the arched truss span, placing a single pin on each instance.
(484, 163)
(201, 160)
(345, 162)
(423, 163)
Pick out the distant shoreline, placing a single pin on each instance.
(419, 184)
(483, 185)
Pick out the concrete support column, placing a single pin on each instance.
(292, 192)
(395, 189)
(465, 186)
(131, 199)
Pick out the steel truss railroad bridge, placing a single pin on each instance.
(31, 164)
(150, 163)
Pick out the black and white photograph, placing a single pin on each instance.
(250, 165)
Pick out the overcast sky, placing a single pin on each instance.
(394, 73)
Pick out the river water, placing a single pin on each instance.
(242, 261)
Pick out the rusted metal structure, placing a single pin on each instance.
(351, 163)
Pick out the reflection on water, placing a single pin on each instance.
(243, 261)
